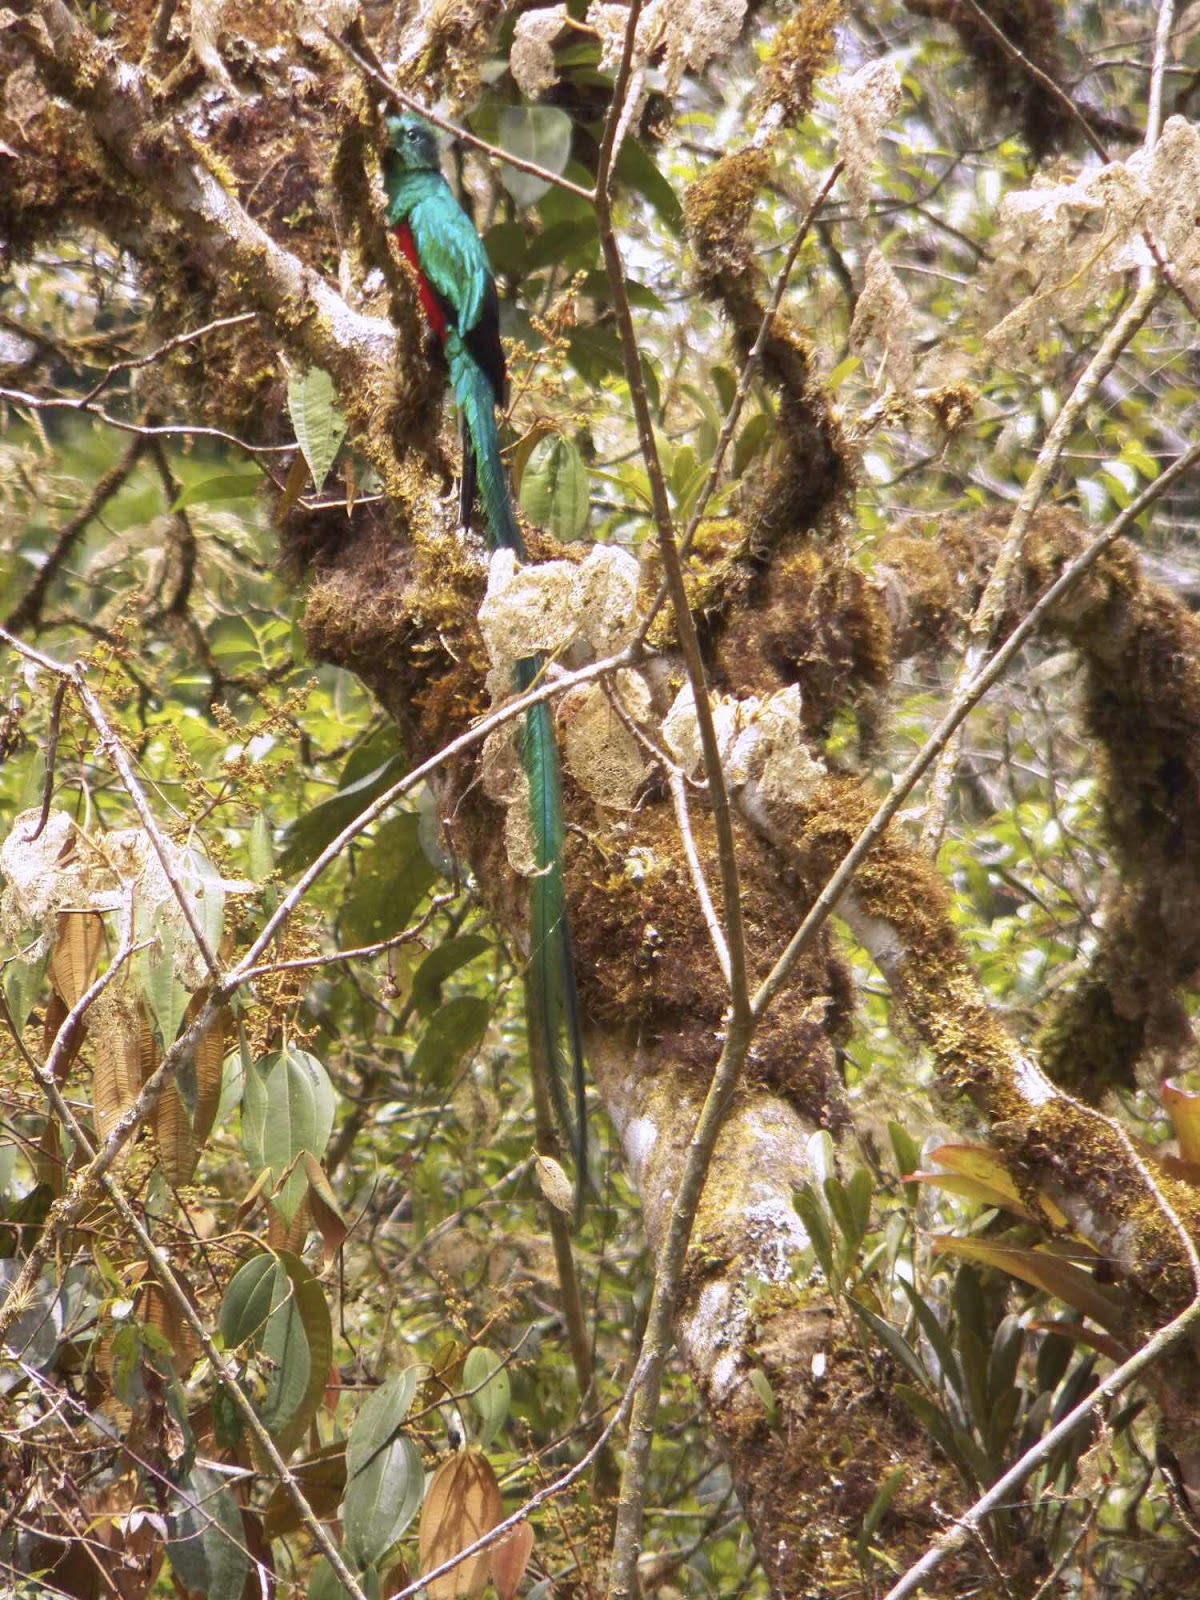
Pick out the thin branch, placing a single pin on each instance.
(176, 1292)
(970, 1524)
(1158, 67)
(60, 694)
(966, 699)
(406, 102)
(984, 621)
(134, 362)
(679, 798)
(28, 610)
(1043, 79)
(111, 745)
(1064, 99)
(672, 1255)
(181, 430)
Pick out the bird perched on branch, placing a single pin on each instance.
(458, 297)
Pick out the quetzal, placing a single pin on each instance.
(458, 296)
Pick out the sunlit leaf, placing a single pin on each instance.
(461, 1505)
(541, 134)
(486, 1380)
(320, 426)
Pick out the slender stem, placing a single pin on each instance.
(464, 135)
(984, 621)
(969, 1525)
(672, 1254)
(968, 697)
(1158, 69)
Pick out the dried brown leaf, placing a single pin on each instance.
(461, 1504)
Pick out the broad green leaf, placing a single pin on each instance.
(320, 427)
(313, 830)
(165, 997)
(275, 1306)
(22, 984)
(392, 878)
(907, 1153)
(379, 1417)
(34, 1335)
(246, 1303)
(554, 488)
(326, 1585)
(486, 1380)
(441, 962)
(816, 1224)
(381, 1500)
(288, 1106)
(260, 848)
(214, 491)
(453, 1031)
(541, 134)
(206, 1539)
(636, 167)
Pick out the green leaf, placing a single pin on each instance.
(541, 134)
(288, 1106)
(326, 1585)
(877, 1510)
(486, 1380)
(312, 831)
(22, 984)
(893, 1341)
(393, 875)
(636, 167)
(554, 488)
(379, 1418)
(165, 997)
(260, 848)
(276, 1306)
(381, 1500)
(441, 963)
(214, 491)
(908, 1155)
(453, 1032)
(816, 1224)
(320, 426)
(939, 1338)
(206, 1539)
(246, 1304)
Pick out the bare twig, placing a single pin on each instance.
(739, 1026)
(966, 698)
(990, 602)
(1158, 68)
(180, 430)
(407, 103)
(60, 694)
(28, 610)
(695, 867)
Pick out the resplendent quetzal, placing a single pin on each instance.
(458, 296)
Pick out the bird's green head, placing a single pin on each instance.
(414, 143)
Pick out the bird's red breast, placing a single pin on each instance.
(430, 303)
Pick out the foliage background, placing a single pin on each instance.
(940, 328)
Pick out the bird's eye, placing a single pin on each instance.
(411, 133)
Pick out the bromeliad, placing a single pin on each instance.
(458, 296)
